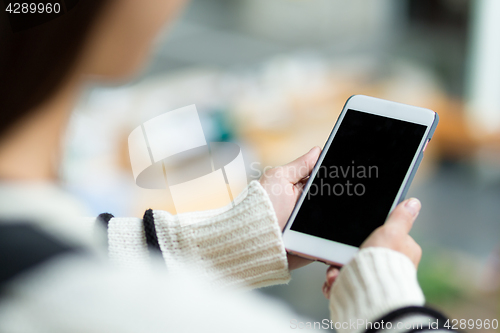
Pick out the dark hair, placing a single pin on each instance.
(36, 59)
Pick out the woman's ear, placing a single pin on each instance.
(121, 39)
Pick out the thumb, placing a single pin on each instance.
(404, 214)
(302, 166)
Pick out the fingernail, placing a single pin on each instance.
(413, 206)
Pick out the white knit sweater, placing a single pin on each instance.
(238, 247)
(376, 282)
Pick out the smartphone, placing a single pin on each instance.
(363, 172)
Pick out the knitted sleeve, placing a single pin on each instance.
(241, 246)
(378, 291)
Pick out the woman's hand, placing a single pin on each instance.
(392, 235)
(284, 185)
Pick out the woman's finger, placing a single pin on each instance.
(326, 290)
(302, 166)
(295, 262)
(331, 275)
(403, 216)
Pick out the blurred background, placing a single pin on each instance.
(273, 75)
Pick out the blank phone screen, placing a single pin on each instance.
(359, 178)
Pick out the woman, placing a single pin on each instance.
(52, 283)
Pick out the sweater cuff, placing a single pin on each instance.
(377, 281)
(240, 247)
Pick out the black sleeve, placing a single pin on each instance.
(410, 319)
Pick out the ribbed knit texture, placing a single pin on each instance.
(241, 246)
(376, 282)
(127, 243)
